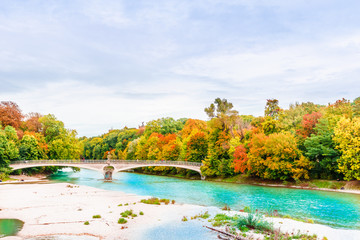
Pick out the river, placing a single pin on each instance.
(339, 210)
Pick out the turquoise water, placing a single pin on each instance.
(9, 227)
(339, 210)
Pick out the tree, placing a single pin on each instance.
(10, 114)
(32, 123)
(277, 157)
(272, 108)
(223, 107)
(51, 127)
(29, 148)
(308, 124)
(197, 147)
(356, 107)
(240, 163)
(347, 137)
(320, 149)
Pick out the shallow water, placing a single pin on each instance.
(341, 210)
(9, 227)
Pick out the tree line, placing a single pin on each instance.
(305, 141)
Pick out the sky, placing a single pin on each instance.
(106, 64)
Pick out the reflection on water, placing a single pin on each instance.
(335, 209)
(10, 227)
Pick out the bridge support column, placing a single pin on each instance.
(108, 170)
(202, 177)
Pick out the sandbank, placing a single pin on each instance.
(62, 208)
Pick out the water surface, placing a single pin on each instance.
(341, 210)
(10, 227)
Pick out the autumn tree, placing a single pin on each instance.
(272, 108)
(277, 157)
(308, 124)
(10, 114)
(347, 138)
(32, 123)
(240, 162)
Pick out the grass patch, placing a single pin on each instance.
(96, 216)
(253, 221)
(128, 213)
(204, 215)
(153, 200)
(122, 221)
(157, 201)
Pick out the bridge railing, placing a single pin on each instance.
(86, 161)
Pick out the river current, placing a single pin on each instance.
(340, 210)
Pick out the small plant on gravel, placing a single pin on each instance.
(152, 200)
(96, 216)
(226, 208)
(126, 213)
(86, 223)
(166, 201)
(141, 213)
(122, 221)
(201, 215)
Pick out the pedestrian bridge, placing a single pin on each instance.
(107, 166)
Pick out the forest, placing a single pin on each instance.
(305, 141)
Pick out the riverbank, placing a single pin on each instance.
(318, 185)
(18, 179)
(63, 209)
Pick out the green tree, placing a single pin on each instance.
(29, 148)
(320, 149)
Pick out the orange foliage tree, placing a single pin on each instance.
(10, 114)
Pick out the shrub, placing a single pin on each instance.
(141, 213)
(254, 221)
(153, 200)
(120, 205)
(201, 215)
(247, 209)
(122, 221)
(127, 213)
(86, 223)
(166, 201)
(226, 208)
(184, 219)
(96, 216)
(172, 201)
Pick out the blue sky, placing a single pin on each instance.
(107, 64)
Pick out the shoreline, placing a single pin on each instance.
(62, 209)
(350, 191)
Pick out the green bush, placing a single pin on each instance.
(254, 221)
(122, 221)
(86, 223)
(127, 213)
(141, 213)
(96, 216)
